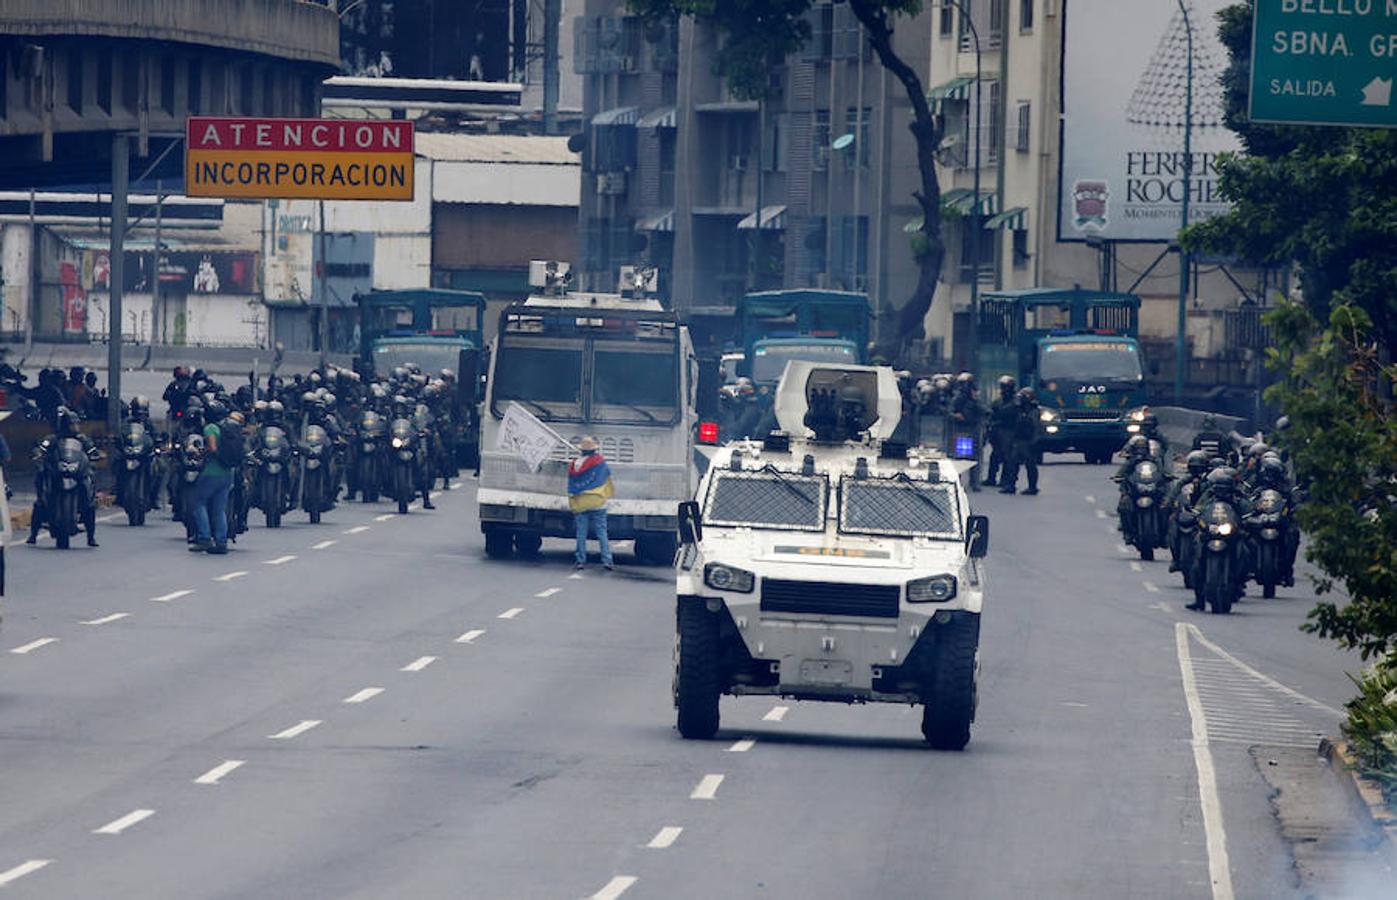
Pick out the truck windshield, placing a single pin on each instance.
(634, 384)
(899, 508)
(545, 377)
(431, 356)
(1089, 361)
(767, 499)
(769, 363)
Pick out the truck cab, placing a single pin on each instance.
(827, 561)
(776, 327)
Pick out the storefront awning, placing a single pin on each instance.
(957, 88)
(621, 115)
(1011, 219)
(773, 219)
(663, 221)
(663, 117)
(961, 201)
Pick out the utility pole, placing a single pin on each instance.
(552, 16)
(1181, 339)
(121, 172)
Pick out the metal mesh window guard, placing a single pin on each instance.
(764, 500)
(897, 507)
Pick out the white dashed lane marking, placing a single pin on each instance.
(279, 561)
(385, 517)
(742, 746)
(575, 576)
(298, 729)
(417, 665)
(357, 529)
(470, 636)
(117, 826)
(27, 867)
(114, 617)
(510, 613)
(665, 837)
(230, 576)
(1136, 567)
(776, 714)
(615, 887)
(173, 595)
(35, 645)
(1101, 513)
(707, 788)
(366, 694)
(1090, 498)
(323, 545)
(548, 592)
(214, 775)
(1151, 587)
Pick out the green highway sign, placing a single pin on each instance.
(1324, 62)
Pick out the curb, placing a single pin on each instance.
(1365, 791)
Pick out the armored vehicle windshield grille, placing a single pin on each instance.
(899, 507)
(1092, 414)
(767, 499)
(830, 598)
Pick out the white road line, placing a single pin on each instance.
(230, 576)
(117, 826)
(1136, 567)
(35, 645)
(279, 561)
(173, 595)
(1101, 513)
(575, 576)
(1161, 606)
(470, 636)
(1219, 870)
(418, 664)
(776, 714)
(1125, 548)
(385, 517)
(212, 776)
(301, 728)
(25, 868)
(107, 619)
(1151, 587)
(665, 837)
(615, 887)
(357, 529)
(707, 788)
(1289, 692)
(510, 613)
(1090, 498)
(548, 592)
(323, 545)
(455, 486)
(365, 694)
(111, 518)
(742, 746)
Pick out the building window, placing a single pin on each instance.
(989, 120)
(998, 11)
(75, 79)
(245, 90)
(778, 129)
(851, 252)
(1021, 256)
(859, 124)
(1022, 140)
(988, 20)
(1025, 15)
(167, 85)
(956, 152)
(194, 101)
(947, 25)
(821, 43)
(974, 254)
(269, 93)
(819, 141)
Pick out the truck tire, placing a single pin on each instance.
(656, 549)
(950, 702)
(528, 543)
(498, 544)
(65, 519)
(697, 678)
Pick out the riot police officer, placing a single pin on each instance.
(1023, 443)
(1002, 414)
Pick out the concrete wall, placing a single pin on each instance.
(206, 320)
(16, 273)
(488, 236)
(527, 184)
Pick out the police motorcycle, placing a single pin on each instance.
(270, 460)
(189, 457)
(404, 448)
(1141, 505)
(1270, 527)
(1182, 519)
(317, 454)
(429, 452)
(1220, 570)
(64, 464)
(370, 435)
(136, 466)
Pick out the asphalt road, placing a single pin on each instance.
(370, 708)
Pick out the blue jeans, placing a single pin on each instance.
(211, 507)
(597, 518)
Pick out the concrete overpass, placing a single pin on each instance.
(75, 72)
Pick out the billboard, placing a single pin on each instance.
(1124, 69)
(315, 159)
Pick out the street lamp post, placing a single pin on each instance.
(976, 223)
(1181, 338)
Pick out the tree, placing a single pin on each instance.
(757, 35)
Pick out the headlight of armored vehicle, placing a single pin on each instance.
(728, 578)
(1047, 415)
(936, 589)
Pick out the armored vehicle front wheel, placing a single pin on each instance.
(528, 543)
(950, 701)
(498, 544)
(697, 682)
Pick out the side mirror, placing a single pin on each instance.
(977, 536)
(690, 522)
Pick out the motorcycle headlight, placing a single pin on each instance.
(1222, 528)
(1148, 471)
(1133, 428)
(398, 442)
(728, 578)
(1138, 414)
(1047, 415)
(1270, 534)
(1144, 502)
(313, 463)
(936, 589)
(1269, 502)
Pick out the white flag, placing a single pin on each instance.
(522, 434)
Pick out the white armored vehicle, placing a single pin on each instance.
(829, 562)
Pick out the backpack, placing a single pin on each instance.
(230, 444)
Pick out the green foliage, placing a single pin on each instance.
(1343, 445)
(1371, 728)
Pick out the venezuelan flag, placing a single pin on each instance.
(589, 483)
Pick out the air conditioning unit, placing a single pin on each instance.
(638, 281)
(548, 273)
(611, 183)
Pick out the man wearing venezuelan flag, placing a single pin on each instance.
(589, 487)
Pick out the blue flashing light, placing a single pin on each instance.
(965, 446)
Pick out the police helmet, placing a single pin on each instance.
(1222, 477)
(1138, 445)
(447, 374)
(1197, 462)
(275, 408)
(965, 378)
(1026, 395)
(309, 398)
(217, 411)
(1007, 383)
(329, 399)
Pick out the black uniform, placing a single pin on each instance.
(1023, 446)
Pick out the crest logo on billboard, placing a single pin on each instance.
(1089, 199)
